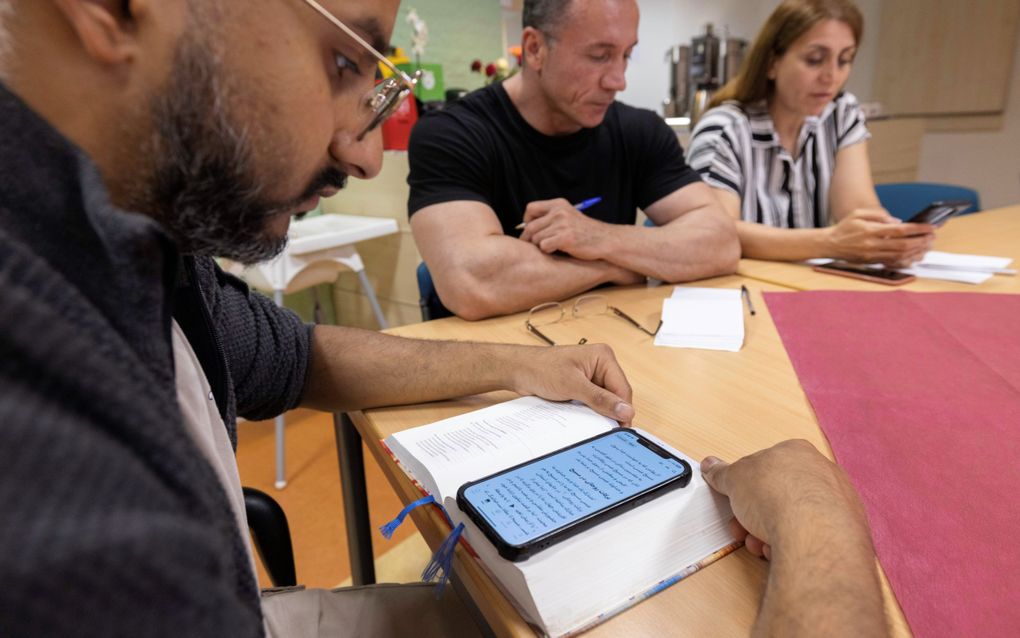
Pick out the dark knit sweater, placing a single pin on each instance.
(112, 523)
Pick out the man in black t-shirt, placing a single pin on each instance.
(531, 148)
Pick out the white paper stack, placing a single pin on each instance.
(706, 318)
(968, 269)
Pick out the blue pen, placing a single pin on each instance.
(586, 204)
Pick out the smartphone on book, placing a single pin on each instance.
(527, 508)
(885, 276)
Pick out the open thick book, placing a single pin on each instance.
(590, 577)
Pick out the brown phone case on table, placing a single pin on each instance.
(865, 274)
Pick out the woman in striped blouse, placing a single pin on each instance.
(786, 149)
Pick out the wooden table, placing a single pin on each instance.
(994, 232)
(702, 402)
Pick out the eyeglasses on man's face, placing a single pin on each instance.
(387, 96)
(587, 306)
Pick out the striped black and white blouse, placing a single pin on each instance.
(737, 149)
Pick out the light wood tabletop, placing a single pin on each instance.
(702, 402)
(994, 233)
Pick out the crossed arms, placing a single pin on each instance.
(480, 272)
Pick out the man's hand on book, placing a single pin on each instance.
(587, 373)
(785, 490)
(797, 509)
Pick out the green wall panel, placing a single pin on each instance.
(459, 31)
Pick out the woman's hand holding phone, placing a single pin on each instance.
(872, 235)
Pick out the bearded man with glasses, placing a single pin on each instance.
(138, 140)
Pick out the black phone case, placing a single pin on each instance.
(938, 213)
(521, 552)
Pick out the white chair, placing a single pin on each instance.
(319, 248)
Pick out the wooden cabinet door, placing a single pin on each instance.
(945, 57)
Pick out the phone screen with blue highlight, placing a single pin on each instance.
(530, 501)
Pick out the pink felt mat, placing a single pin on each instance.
(919, 396)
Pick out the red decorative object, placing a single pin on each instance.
(498, 70)
(396, 130)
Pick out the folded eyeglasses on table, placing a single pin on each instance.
(587, 306)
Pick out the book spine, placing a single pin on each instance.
(655, 589)
(437, 507)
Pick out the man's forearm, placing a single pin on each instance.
(355, 369)
(698, 245)
(506, 275)
(823, 581)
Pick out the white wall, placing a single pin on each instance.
(863, 72)
(988, 162)
(668, 22)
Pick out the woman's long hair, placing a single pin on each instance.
(790, 20)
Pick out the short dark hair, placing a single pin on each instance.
(544, 15)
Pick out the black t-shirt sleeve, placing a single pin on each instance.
(447, 163)
(663, 169)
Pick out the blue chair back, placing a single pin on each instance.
(905, 199)
(431, 306)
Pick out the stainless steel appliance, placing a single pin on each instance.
(679, 100)
(697, 71)
(706, 72)
(733, 56)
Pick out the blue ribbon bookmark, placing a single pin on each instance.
(388, 529)
(442, 561)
